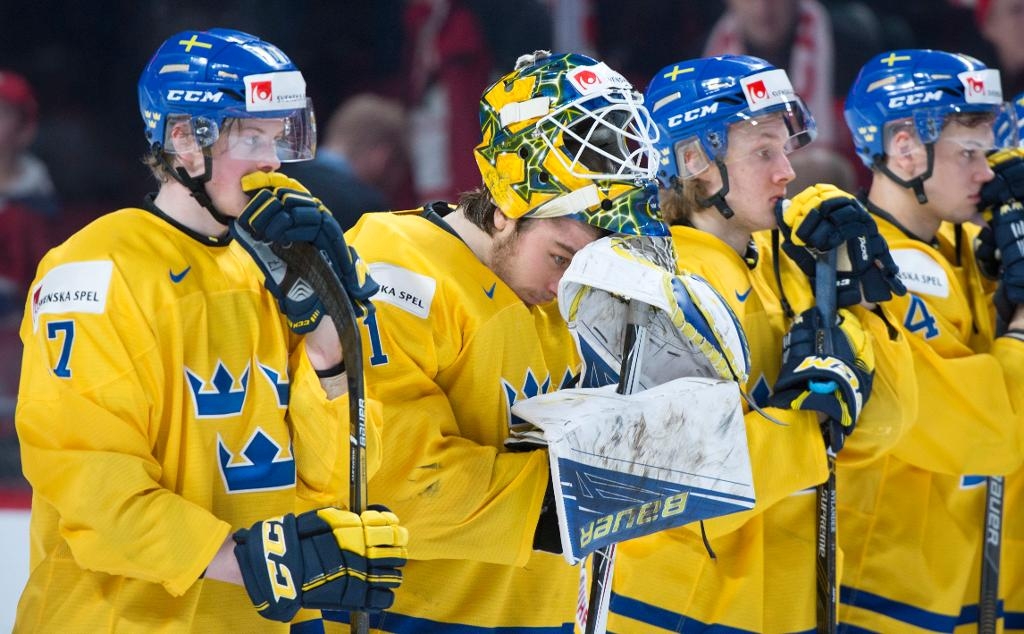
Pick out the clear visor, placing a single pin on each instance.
(764, 137)
(994, 128)
(614, 140)
(289, 137)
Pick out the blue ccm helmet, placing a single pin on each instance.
(1006, 125)
(696, 102)
(200, 79)
(920, 88)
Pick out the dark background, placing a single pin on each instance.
(83, 58)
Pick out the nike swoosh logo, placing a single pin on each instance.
(177, 277)
(744, 296)
(489, 292)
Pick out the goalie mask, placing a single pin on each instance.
(697, 102)
(565, 135)
(918, 89)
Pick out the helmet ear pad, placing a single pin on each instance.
(184, 147)
(905, 153)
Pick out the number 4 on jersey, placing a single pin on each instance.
(919, 318)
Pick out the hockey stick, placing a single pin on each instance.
(629, 378)
(306, 259)
(825, 521)
(988, 603)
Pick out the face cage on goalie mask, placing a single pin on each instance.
(618, 143)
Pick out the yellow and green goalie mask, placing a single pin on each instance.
(565, 135)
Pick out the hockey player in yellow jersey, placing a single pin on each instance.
(997, 261)
(180, 424)
(924, 121)
(727, 126)
(466, 325)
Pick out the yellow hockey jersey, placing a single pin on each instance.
(451, 349)
(762, 579)
(911, 523)
(163, 404)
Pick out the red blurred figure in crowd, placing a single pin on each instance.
(449, 62)
(26, 194)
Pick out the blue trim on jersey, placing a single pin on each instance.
(308, 627)
(970, 613)
(918, 617)
(846, 628)
(403, 624)
(1013, 620)
(669, 620)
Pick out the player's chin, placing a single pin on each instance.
(963, 212)
(233, 206)
(537, 298)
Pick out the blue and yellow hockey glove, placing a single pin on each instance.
(1008, 182)
(1007, 226)
(327, 559)
(838, 385)
(824, 217)
(282, 211)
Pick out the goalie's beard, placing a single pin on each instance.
(505, 264)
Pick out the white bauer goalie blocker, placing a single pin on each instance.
(625, 466)
(672, 451)
(691, 331)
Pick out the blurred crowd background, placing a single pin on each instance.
(395, 85)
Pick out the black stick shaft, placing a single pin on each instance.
(629, 373)
(825, 518)
(988, 604)
(307, 259)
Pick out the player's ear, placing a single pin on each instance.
(185, 149)
(502, 222)
(904, 155)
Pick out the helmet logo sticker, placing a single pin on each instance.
(982, 86)
(694, 114)
(766, 89)
(756, 90)
(275, 91)
(262, 91)
(915, 99)
(588, 79)
(194, 96)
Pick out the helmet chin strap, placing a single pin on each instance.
(196, 185)
(717, 200)
(917, 183)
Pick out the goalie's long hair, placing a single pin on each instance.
(681, 202)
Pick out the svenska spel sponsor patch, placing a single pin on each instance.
(412, 292)
(77, 287)
(920, 273)
(275, 91)
(769, 88)
(588, 79)
(982, 86)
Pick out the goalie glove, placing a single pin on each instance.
(282, 212)
(837, 385)
(822, 218)
(327, 559)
